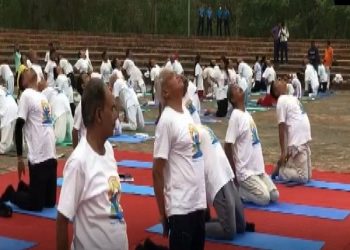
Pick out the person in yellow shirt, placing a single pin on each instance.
(328, 61)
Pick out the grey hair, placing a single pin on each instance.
(161, 81)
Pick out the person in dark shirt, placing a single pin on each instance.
(219, 13)
(313, 55)
(209, 15)
(276, 41)
(201, 15)
(226, 17)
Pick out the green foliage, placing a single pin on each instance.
(249, 18)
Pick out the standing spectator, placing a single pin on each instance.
(209, 15)
(284, 35)
(328, 61)
(276, 41)
(226, 17)
(322, 74)
(219, 13)
(17, 56)
(201, 15)
(47, 55)
(313, 55)
(198, 73)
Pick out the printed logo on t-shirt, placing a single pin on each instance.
(255, 135)
(47, 117)
(213, 137)
(195, 142)
(114, 193)
(190, 107)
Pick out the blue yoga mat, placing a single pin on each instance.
(47, 213)
(135, 164)
(127, 139)
(261, 241)
(128, 188)
(209, 120)
(305, 210)
(59, 182)
(150, 123)
(14, 244)
(318, 184)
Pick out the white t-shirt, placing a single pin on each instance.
(270, 75)
(291, 112)
(126, 94)
(34, 108)
(233, 76)
(83, 65)
(8, 109)
(50, 65)
(244, 70)
(297, 87)
(47, 56)
(118, 73)
(221, 86)
(322, 73)
(60, 105)
(106, 70)
(128, 66)
(198, 74)
(217, 168)
(192, 95)
(207, 72)
(5, 72)
(177, 141)
(63, 84)
(176, 67)
(311, 76)
(66, 66)
(247, 152)
(90, 196)
(38, 70)
(257, 71)
(155, 71)
(78, 122)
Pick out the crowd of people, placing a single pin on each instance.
(191, 170)
(206, 15)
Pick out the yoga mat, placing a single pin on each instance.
(318, 184)
(48, 213)
(150, 123)
(14, 244)
(257, 109)
(135, 164)
(136, 189)
(65, 144)
(127, 139)
(305, 210)
(209, 120)
(261, 241)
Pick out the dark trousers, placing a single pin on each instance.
(222, 108)
(187, 232)
(72, 108)
(41, 192)
(257, 86)
(72, 80)
(276, 50)
(219, 27)
(200, 27)
(323, 87)
(209, 26)
(226, 28)
(284, 50)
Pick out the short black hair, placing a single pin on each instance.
(229, 93)
(127, 53)
(94, 97)
(104, 53)
(328, 42)
(272, 90)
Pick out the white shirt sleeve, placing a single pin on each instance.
(116, 89)
(72, 189)
(47, 68)
(232, 131)
(23, 108)
(197, 69)
(281, 110)
(162, 143)
(77, 65)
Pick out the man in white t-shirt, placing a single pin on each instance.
(198, 74)
(91, 190)
(7, 75)
(269, 75)
(244, 70)
(294, 128)
(127, 98)
(297, 86)
(8, 116)
(174, 65)
(49, 68)
(63, 84)
(155, 71)
(47, 54)
(311, 79)
(243, 149)
(221, 191)
(35, 120)
(106, 67)
(117, 68)
(257, 75)
(35, 66)
(134, 73)
(323, 77)
(178, 169)
(67, 70)
(83, 64)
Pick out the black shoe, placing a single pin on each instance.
(249, 227)
(22, 187)
(8, 194)
(5, 211)
(150, 245)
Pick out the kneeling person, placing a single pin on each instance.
(294, 135)
(243, 149)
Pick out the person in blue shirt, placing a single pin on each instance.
(219, 13)
(201, 15)
(226, 17)
(209, 15)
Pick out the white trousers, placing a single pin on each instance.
(10, 85)
(135, 118)
(7, 138)
(63, 127)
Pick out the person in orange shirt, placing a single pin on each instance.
(328, 60)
